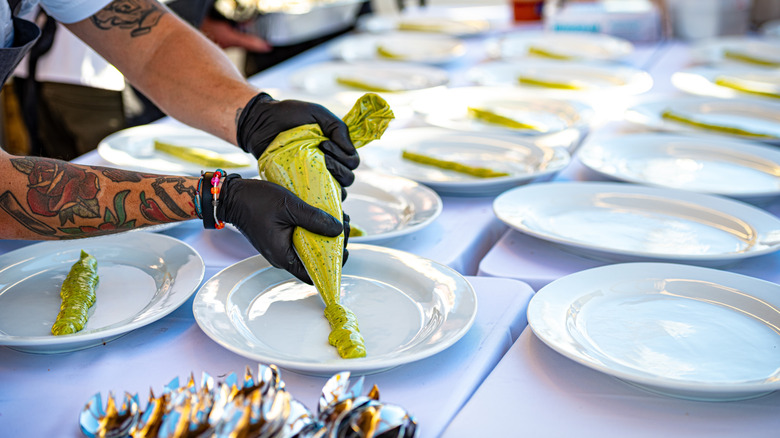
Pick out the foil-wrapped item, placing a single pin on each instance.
(257, 406)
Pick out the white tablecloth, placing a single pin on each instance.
(536, 392)
(42, 395)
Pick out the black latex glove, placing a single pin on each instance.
(264, 118)
(267, 213)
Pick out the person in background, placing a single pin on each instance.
(192, 80)
(74, 98)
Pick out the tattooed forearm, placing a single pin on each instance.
(53, 199)
(138, 16)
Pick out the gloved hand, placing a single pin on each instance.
(267, 213)
(264, 118)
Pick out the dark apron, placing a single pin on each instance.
(25, 34)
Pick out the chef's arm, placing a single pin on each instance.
(179, 69)
(44, 199)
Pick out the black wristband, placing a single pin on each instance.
(207, 201)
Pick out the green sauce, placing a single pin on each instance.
(203, 157)
(750, 59)
(385, 53)
(480, 172)
(78, 295)
(344, 332)
(544, 53)
(548, 84)
(362, 85)
(737, 85)
(671, 115)
(356, 230)
(492, 118)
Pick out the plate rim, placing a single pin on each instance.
(107, 152)
(359, 365)
(86, 340)
(297, 78)
(486, 185)
(660, 192)
(406, 231)
(495, 45)
(645, 114)
(729, 143)
(643, 80)
(534, 322)
(338, 50)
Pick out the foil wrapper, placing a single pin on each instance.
(256, 406)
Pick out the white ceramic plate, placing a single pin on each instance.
(678, 330)
(752, 115)
(449, 109)
(628, 222)
(569, 45)
(408, 308)
(453, 26)
(419, 47)
(387, 206)
(133, 148)
(720, 166)
(143, 277)
(701, 80)
(399, 77)
(714, 50)
(588, 77)
(523, 160)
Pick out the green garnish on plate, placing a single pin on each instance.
(196, 155)
(480, 172)
(362, 85)
(493, 118)
(749, 58)
(383, 52)
(681, 118)
(544, 53)
(537, 82)
(740, 85)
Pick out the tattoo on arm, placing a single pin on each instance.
(138, 16)
(59, 189)
(112, 220)
(11, 205)
(161, 186)
(119, 175)
(238, 114)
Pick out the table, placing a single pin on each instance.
(42, 395)
(540, 393)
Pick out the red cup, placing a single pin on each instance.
(527, 10)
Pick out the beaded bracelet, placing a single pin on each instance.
(207, 193)
(198, 209)
(215, 186)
